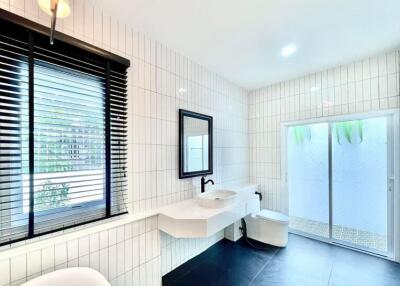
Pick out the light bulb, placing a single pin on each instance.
(63, 9)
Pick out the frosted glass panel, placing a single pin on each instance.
(308, 178)
(359, 183)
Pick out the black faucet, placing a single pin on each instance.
(204, 182)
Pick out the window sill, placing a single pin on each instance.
(64, 236)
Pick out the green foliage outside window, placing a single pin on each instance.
(51, 196)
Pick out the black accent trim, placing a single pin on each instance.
(31, 66)
(67, 53)
(108, 139)
(182, 173)
(21, 21)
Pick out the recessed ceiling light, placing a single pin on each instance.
(182, 90)
(314, 88)
(288, 50)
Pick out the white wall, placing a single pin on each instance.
(368, 85)
(160, 82)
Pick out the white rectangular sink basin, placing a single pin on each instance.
(216, 199)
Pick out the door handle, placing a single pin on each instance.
(391, 182)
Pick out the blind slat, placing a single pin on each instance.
(13, 96)
(69, 135)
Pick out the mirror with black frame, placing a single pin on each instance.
(195, 144)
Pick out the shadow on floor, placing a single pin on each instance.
(304, 262)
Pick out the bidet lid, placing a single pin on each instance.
(274, 216)
(70, 277)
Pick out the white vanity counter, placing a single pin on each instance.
(187, 219)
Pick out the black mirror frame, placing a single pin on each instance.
(182, 173)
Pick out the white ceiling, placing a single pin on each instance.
(241, 39)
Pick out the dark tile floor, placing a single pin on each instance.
(304, 262)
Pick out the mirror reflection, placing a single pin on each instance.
(195, 144)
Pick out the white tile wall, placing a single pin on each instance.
(175, 252)
(113, 258)
(160, 82)
(368, 85)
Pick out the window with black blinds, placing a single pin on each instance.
(63, 135)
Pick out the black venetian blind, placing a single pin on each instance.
(63, 135)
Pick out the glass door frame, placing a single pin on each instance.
(393, 196)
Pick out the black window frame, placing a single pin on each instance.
(111, 63)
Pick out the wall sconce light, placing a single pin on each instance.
(56, 9)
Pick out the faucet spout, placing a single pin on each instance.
(204, 183)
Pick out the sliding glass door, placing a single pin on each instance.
(359, 183)
(339, 181)
(308, 180)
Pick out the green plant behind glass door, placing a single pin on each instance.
(349, 130)
(345, 130)
(301, 133)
